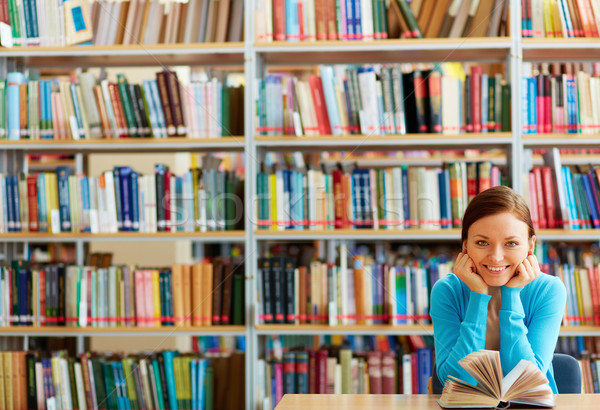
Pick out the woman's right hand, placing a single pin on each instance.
(464, 268)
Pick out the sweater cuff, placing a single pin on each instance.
(511, 299)
(477, 309)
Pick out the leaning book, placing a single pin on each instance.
(524, 385)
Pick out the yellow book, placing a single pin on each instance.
(577, 279)
(273, 196)
(207, 290)
(197, 295)
(156, 297)
(177, 292)
(186, 293)
(8, 380)
(2, 393)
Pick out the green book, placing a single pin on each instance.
(410, 19)
(376, 20)
(99, 383)
(238, 300)
(127, 105)
(109, 382)
(130, 382)
(158, 387)
(226, 112)
(506, 127)
(209, 389)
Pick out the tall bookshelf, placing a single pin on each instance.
(255, 58)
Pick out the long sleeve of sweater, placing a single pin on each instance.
(532, 336)
(458, 331)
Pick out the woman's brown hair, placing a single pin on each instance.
(496, 200)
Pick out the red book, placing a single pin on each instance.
(533, 200)
(338, 198)
(388, 373)
(318, 97)
(32, 203)
(166, 201)
(312, 372)
(539, 192)
(547, 105)
(321, 382)
(539, 102)
(415, 373)
(302, 294)
(279, 20)
(115, 98)
(374, 367)
(42, 311)
(321, 19)
(548, 185)
(476, 72)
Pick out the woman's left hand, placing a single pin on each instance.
(526, 272)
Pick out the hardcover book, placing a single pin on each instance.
(524, 384)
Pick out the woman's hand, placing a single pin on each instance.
(527, 271)
(464, 268)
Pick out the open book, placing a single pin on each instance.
(525, 384)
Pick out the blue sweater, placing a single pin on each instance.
(529, 319)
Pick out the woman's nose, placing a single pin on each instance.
(496, 253)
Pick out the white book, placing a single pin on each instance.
(111, 204)
(79, 385)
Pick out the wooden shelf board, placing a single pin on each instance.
(341, 234)
(133, 331)
(171, 144)
(561, 49)
(231, 236)
(344, 329)
(129, 55)
(385, 51)
(366, 142)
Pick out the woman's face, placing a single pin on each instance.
(497, 244)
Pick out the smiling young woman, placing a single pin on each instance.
(497, 298)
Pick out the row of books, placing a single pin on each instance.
(84, 107)
(342, 371)
(381, 100)
(560, 18)
(103, 22)
(389, 198)
(122, 200)
(565, 197)
(560, 102)
(587, 352)
(167, 22)
(310, 20)
(356, 291)
(202, 294)
(165, 380)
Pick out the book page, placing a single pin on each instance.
(526, 383)
(485, 367)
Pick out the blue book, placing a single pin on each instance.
(292, 26)
(202, 366)
(424, 366)
(85, 199)
(168, 357)
(357, 13)
(118, 197)
(8, 203)
(532, 111)
(400, 294)
(589, 194)
(134, 204)
(160, 116)
(327, 80)
(13, 122)
(194, 383)
(62, 176)
(569, 194)
(405, 198)
(77, 110)
(42, 206)
(127, 198)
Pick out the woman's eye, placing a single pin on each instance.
(511, 244)
(481, 243)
